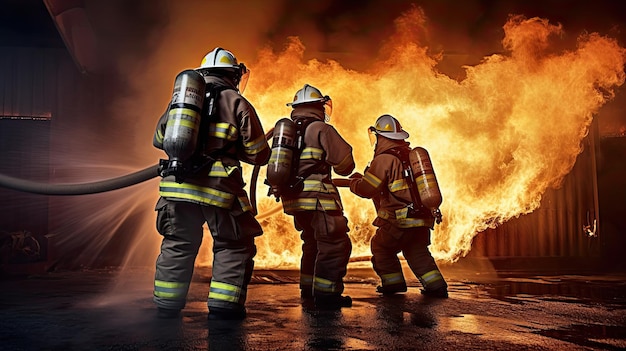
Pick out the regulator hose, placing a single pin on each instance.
(81, 188)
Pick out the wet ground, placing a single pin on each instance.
(112, 310)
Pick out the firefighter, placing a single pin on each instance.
(315, 204)
(213, 193)
(402, 225)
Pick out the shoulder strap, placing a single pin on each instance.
(402, 153)
(302, 123)
(208, 111)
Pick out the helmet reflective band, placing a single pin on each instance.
(389, 127)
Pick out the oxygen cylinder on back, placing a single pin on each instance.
(425, 179)
(279, 167)
(183, 120)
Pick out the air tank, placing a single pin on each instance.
(184, 116)
(425, 179)
(283, 145)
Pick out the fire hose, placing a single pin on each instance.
(80, 188)
(122, 182)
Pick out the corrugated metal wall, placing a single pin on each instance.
(30, 89)
(29, 83)
(555, 229)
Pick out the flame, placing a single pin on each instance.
(498, 139)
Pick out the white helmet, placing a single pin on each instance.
(221, 59)
(389, 127)
(310, 94)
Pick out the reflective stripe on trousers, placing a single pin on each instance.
(326, 286)
(392, 278)
(170, 290)
(226, 292)
(432, 280)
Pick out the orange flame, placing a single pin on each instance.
(498, 139)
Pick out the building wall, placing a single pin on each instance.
(37, 86)
(560, 233)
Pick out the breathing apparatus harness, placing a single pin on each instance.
(415, 207)
(302, 123)
(294, 183)
(199, 159)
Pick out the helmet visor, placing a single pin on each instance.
(328, 106)
(372, 135)
(243, 81)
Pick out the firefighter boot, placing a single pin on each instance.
(332, 302)
(441, 292)
(391, 289)
(217, 313)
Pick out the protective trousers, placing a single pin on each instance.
(180, 223)
(326, 251)
(389, 241)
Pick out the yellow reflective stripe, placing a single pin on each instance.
(413, 222)
(329, 205)
(163, 284)
(311, 153)
(218, 170)
(170, 289)
(182, 122)
(405, 222)
(244, 202)
(204, 195)
(398, 185)
(255, 146)
(325, 285)
(426, 180)
(309, 204)
(223, 131)
(159, 136)
(402, 213)
(300, 204)
(183, 111)
(431, 277)
(372, 179)
(224, 292)
(319, 186)
(281, 155)
(392, 278)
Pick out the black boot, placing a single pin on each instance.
(332, 302)
(391, 289)
(441, 293)
(217, 313)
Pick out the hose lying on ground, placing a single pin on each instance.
(81, 188)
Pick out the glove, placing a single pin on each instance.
(438, 216)
(356, 175)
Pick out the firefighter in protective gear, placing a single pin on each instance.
(213, 193)
(316, 205)
(401, 227)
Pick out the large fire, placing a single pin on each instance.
(498, 139)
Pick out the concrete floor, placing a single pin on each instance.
(112, 310)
